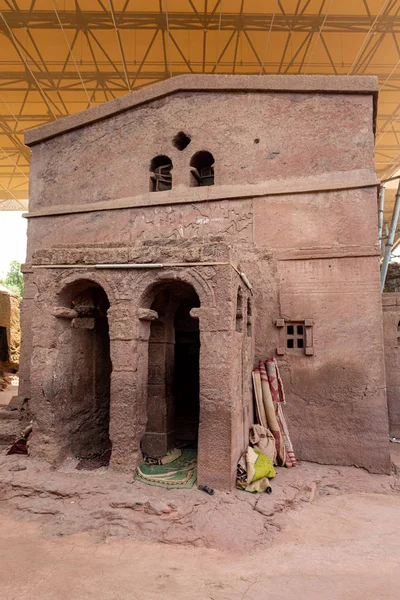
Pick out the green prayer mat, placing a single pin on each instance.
(180, 473)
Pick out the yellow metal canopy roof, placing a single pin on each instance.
(58, 57)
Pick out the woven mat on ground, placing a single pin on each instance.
(180, 473)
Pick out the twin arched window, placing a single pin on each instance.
(201, 171)
(161, 176)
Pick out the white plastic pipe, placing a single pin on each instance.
(380, 218)
(389, 243)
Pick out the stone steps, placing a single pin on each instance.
(8, 431)
(8, 415)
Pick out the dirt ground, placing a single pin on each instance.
(324, 532)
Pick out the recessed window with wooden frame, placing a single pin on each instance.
(161, 176)
(202, 169)
(295, 337)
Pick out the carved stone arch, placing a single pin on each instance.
(67, 279)
(149, 280)
(77, 373)
(169, 339)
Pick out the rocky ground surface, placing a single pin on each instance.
(107, 504)
(330, 532)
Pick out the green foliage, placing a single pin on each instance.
(14, 280)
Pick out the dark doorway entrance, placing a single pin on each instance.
(3, 345)
(87, 410)
(186, 383)
(173, 371)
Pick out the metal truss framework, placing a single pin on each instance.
(58, 57)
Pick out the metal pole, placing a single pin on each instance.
(380, 217)
(389, 243)
(390, 179)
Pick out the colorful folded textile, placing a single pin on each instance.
(18, 447)
(262, 439)
(254, 471)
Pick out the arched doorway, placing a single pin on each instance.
(86, 408)
(173, 384)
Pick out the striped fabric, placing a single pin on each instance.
(273, 399)
(260, 410)
(273, 422)
(275, 381)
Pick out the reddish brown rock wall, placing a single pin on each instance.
(391, 328)
(10, 324)
(295, 210)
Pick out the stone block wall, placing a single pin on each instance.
(10, 322)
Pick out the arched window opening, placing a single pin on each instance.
(239, 311)
(202, 169)
(161, 176)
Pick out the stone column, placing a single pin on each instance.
(220, 367)
(128, 349)
(50, 369)
(160, 434)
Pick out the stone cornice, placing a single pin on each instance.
(340, 180)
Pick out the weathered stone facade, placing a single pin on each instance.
(391, 330)
(10, 334)
(124, 284)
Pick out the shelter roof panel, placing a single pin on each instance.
(57, 57)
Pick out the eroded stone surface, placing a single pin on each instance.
(106, 504)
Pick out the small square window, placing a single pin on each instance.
(295, 336)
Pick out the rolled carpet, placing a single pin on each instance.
(278, 398)
(260, 409)
(273, 422)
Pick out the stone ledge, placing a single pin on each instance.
(391, 299)
(327, 252)
(327, 182)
